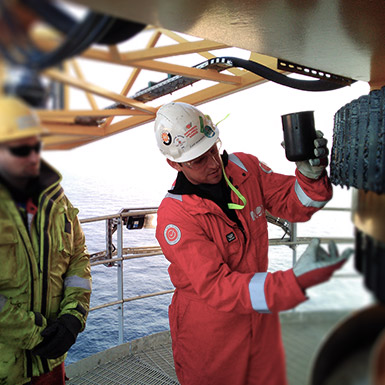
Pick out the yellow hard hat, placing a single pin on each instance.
(18, 120)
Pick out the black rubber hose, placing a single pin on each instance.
(93, 28)
(276, 77)
(51, 14)
(119, 31)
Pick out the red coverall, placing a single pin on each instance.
(224, 314)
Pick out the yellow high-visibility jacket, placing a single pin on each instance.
(43, 275)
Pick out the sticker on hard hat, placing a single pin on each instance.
(205, 129)
(172, 234)
(27, 121)
(166, 137)
(180, 141)
(191, 130)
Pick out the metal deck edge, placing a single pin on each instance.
(89, 363)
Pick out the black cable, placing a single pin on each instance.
(52, 14)
(95, 28)
(274, 76)
(79, 38)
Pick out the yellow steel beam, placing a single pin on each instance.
(193, 73)
(219, 90)
(52, 114)
(159, 66)
(136, 59)
(66, 96)
(80, 76)
(74, 129)
(171, 50)
(136, 71)
(55, 142)
(199, 97)
(47, 42)
(65, 134)
(85, 86)
(206, 55)
(114, 52)
(128, 123)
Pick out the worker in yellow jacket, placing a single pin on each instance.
(45, 279)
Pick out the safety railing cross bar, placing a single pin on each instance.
(125, 258)
(306, 240)
(272, 242)
(130, 299)
(123, 254)
(133, 212)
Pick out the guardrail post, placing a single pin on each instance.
(120, 279)
(293, 238)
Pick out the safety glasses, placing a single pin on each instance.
(201, 162)
(24, 151)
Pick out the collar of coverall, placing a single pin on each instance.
(183, 186)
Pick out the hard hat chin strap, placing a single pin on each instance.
(234, 206)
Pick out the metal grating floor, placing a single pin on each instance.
(161, 359)
(127, 370)
(149, 361)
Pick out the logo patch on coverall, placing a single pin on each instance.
(172, 234)
(230, 237)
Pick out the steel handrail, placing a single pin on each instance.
(124, 254)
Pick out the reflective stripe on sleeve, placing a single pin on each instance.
(233, 158)
(306, 200)
(3, 301)
(257, 293)
(175, 196)
(76, 281)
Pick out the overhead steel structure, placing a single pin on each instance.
(140, 44)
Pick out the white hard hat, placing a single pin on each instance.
(183, 132)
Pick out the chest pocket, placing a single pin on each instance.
(8, 254)
(228, 239)
(68, 236)
(233, 248)
(66, 231)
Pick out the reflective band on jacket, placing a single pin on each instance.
(76, 281)
(174, 196)
(3, 301)
(257, 293)
(305, 200)
(233, 158)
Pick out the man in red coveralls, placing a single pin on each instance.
(211, 226)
